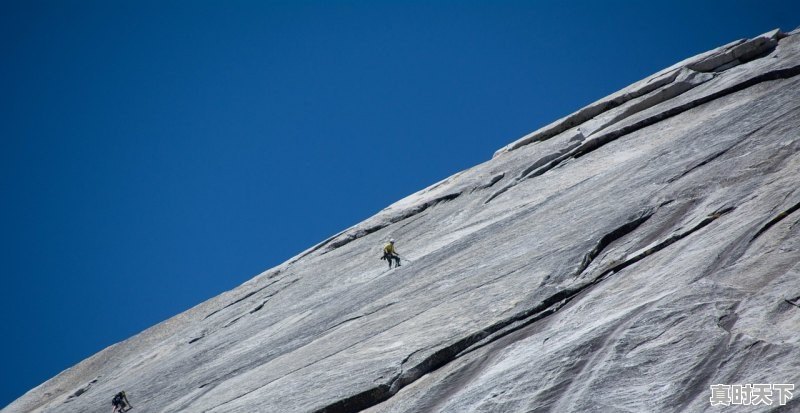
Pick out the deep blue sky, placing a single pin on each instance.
(156, 154)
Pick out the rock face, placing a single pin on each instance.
(621, 259)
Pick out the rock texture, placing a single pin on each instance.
(621, 259)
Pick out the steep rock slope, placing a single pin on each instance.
(621, 259)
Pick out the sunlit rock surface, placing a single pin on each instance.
(621, 259)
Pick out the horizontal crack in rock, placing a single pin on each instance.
(593, 144)
(349, 236)
(612, 236)
(495, 179)
(232, 322)
(236, 319)
(775, 220)
(743, 52)
(383, 307)
(702, 163)
(591, 111)
(547, 307)
(601, 140)
(740, 53)
(239, 300)
(82, 390)
(274, 293)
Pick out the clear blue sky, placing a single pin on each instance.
(156, 154)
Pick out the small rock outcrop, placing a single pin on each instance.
(624, 258)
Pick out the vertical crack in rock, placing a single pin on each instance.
(775, 220)
(483, 337)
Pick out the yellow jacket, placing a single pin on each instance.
(389, 249)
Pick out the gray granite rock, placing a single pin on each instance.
(621, 259)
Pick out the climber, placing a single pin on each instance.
(390, 253)
(121, 403)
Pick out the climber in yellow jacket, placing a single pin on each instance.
(390, 253)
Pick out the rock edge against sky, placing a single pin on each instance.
(621, 259)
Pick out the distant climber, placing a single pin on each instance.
(389, 254)
(121, 403)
